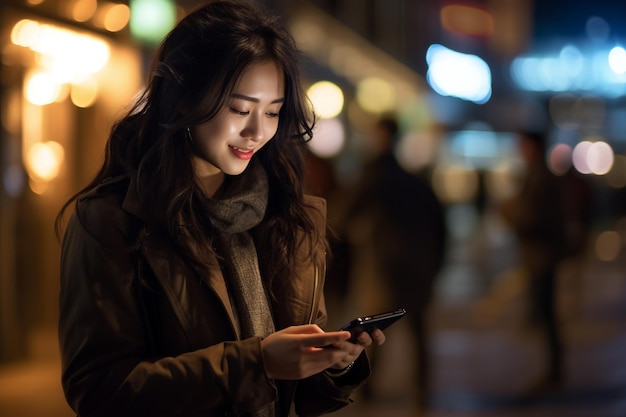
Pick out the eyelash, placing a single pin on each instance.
(245, 113)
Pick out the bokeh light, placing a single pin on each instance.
(113, 17)
(63, 57)
(600, 158)
(44, 159)
(617, 60)
(328, 138)
(376, 95)
(451, 73)
(560, 158)
(84, 92)
(327, 99)
(41, 88)
(151, 20)
(68, 53)
(579, 157)
(416, 150)
(82, 10)
(597, 68)
(455, 183)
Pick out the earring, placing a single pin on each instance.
(189, 135)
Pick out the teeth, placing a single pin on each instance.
(242, 150)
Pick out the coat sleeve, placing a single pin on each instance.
(106, 368)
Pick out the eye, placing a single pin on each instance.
(239, 112)
(271, 114)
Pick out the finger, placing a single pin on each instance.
(325, 339)
(303, 329)
(378, 337)
(364, 339)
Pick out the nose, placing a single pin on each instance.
(254, 129)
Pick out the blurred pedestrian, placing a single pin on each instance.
(398, 228)
(192, 265)
(550, 217)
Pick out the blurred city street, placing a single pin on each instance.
(485, 358)
(539, 66)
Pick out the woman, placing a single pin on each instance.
(192, 268)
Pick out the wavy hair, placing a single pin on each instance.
(196, 68)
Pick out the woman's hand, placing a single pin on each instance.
(301, 351)
(377, 337)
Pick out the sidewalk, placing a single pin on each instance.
(32, 388)
(485, 358)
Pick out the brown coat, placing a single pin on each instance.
(172, 350)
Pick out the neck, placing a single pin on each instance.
(211, 183)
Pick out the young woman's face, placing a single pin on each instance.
(247, 122)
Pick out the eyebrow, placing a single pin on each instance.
(254, 99)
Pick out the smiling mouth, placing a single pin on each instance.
(241, 153)
(241, 149)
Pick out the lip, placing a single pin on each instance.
(241, 153)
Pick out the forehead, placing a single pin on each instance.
(263, 78)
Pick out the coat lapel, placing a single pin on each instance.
(173, 276)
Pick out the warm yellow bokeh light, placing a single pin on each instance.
(83, 10)
(455, 184)
(41, 88)
(85, 92)
(327, 99)
(65, 53)
(376, 95)
(44, 159)
(64, 57)
(38, 186)
(112, 17)
(25, 32)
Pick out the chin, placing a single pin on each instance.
(235, 170)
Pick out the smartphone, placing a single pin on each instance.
(369, 323)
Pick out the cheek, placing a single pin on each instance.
(271, 129)
(225, 126)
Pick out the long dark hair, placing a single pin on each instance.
(194, 72)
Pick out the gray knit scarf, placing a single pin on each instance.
(240, 207)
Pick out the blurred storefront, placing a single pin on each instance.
(67, 70)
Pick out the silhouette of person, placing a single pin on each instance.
(407, 235)
(549, 217)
